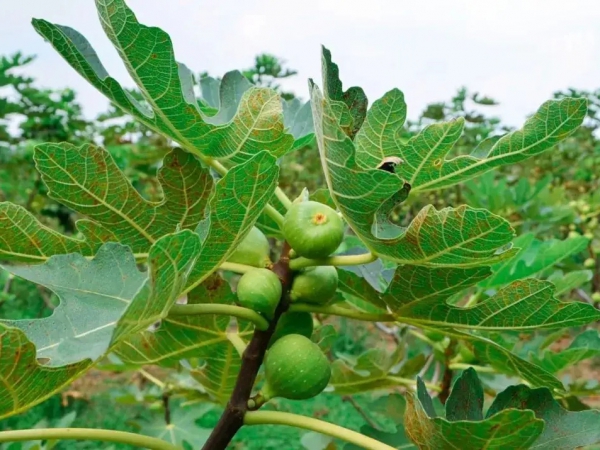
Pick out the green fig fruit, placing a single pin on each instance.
(254, 250)
(315, 285)
(293, 323)
(313, 229)
(259, 290)
(295, 368)
(589, 263)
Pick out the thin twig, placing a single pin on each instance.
(358, 408)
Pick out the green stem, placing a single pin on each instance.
(152, 378)
(320, 426)
(237, 342)
(463, 366)
(284, 199)
(236, 267)
(422, 337)
(275, 215)
(409, 382)
(342, 260)
(334, 310)
(87, 434)
(226, 310)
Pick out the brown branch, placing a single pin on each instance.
(232, 418)
(166, 404)
(448, 373)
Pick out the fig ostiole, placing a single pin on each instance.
(259, 290)
(313, 229)
(295, 368)
(293, 323)
(254, 250)
(315, 285)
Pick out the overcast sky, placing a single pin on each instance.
(517, 51)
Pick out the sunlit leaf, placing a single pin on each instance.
(104, 299)
(87, 180)
(413, 285)
(425, 158)
(24, 381)
(534, 256)
(354, 99)
(170, 105)
(506, 362)
(522, 305)
(586, 345)
(378, 137)
(461, 237)
(240, 197)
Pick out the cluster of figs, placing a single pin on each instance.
(295, 367)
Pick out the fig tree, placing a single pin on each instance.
(295, 368)
(315, 285)
(259, 290)
(253, 250)
(293, 323)
(313, 229)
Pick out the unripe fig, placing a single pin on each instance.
(596, 297)
(293, 323)
(315, 285)
(589, 263)
(573, 234)
(259, 290)
(313, 229)
(295, 368)
(466, 354)
(253, 250)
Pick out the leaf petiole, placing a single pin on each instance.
(87, 434)
(409, 382)
(308, 423)
(283, 198)
(341, 260)
(235, 267)
(463, 366)
(237, 342)
(335, 310)
(226, 310)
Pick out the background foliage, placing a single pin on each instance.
(552, 201)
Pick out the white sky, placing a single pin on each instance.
(517, 51)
